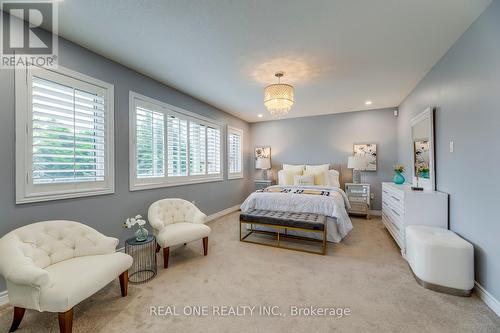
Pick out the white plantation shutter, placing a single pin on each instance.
(197, 148)
(177, 146)
(213, 150)
(192, 151)
(235, 152)
(68, 134)
(150, 142)
(64, 135)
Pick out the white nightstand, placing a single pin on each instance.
(359, 198)
(262, 183)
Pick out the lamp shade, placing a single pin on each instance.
(263, 163)
(357, 162)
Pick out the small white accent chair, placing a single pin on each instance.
(440, 259)
(54, 265)
(176, 222)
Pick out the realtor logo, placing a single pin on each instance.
(29, 33)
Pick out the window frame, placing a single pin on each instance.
(137, 184)
(26, 191)
(238, 131)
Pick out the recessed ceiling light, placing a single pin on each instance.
(368, 103)
(260, 115)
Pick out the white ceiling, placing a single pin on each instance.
(337, 53)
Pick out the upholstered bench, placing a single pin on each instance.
(282, 222)
(440, 259)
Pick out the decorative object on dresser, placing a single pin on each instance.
(399, 179)
(144, 254)
(81, 261)
(176, 222)
(358, 163)
(359, 198)
(141, 234)
(401, 207)
(440, 260)
(263, 160)
(422, 138)
(263, 183)
(369, 151)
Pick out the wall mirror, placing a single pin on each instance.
(422, 138)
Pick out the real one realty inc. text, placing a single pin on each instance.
(248, 310)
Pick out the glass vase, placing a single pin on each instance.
(141, 234)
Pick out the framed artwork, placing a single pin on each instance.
(369, 150)
(262, 152)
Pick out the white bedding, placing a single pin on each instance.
(332, 206)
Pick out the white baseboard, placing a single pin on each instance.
(222, 213)
(487, 298)
(375, 212)
(4, 298)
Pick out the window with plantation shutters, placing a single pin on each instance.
(187, 145)
(68, 134)
(197, 149)
(150, 142)
(213, 150)
(64, 131)
(177, 146)
(234, 152)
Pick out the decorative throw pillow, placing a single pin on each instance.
(297, 169)
(319, 173)
(286, 177)
(303, 180)
(333, 178)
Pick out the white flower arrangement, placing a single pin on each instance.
(131, 221)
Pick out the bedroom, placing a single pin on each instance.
(167, 110)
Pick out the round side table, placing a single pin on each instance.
(144, 254)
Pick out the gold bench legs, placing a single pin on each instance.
(280, 236)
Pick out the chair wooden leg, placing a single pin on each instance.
(124, 283)
(66, 321)
(166, 252)
(205, 245)
(158, 248)
(18, 317)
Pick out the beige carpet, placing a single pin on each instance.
(365, 273)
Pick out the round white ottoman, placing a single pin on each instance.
(440, 259)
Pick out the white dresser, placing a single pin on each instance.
(401, 206)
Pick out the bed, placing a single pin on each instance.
(326, 199)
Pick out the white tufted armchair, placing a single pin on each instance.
(54, 265)
(175, 222)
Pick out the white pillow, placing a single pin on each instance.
(303, 180)
(317, 168)
(319, 173)
(286, 177)
(333, 178)
(297, 169)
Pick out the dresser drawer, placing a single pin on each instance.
(393, 202)
(394, 229)
(393, 193)
(393, 209)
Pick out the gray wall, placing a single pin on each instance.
(106, 213)
(330, 139)
(465, 87)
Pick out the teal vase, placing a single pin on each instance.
(398, 178)
(141, 234)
